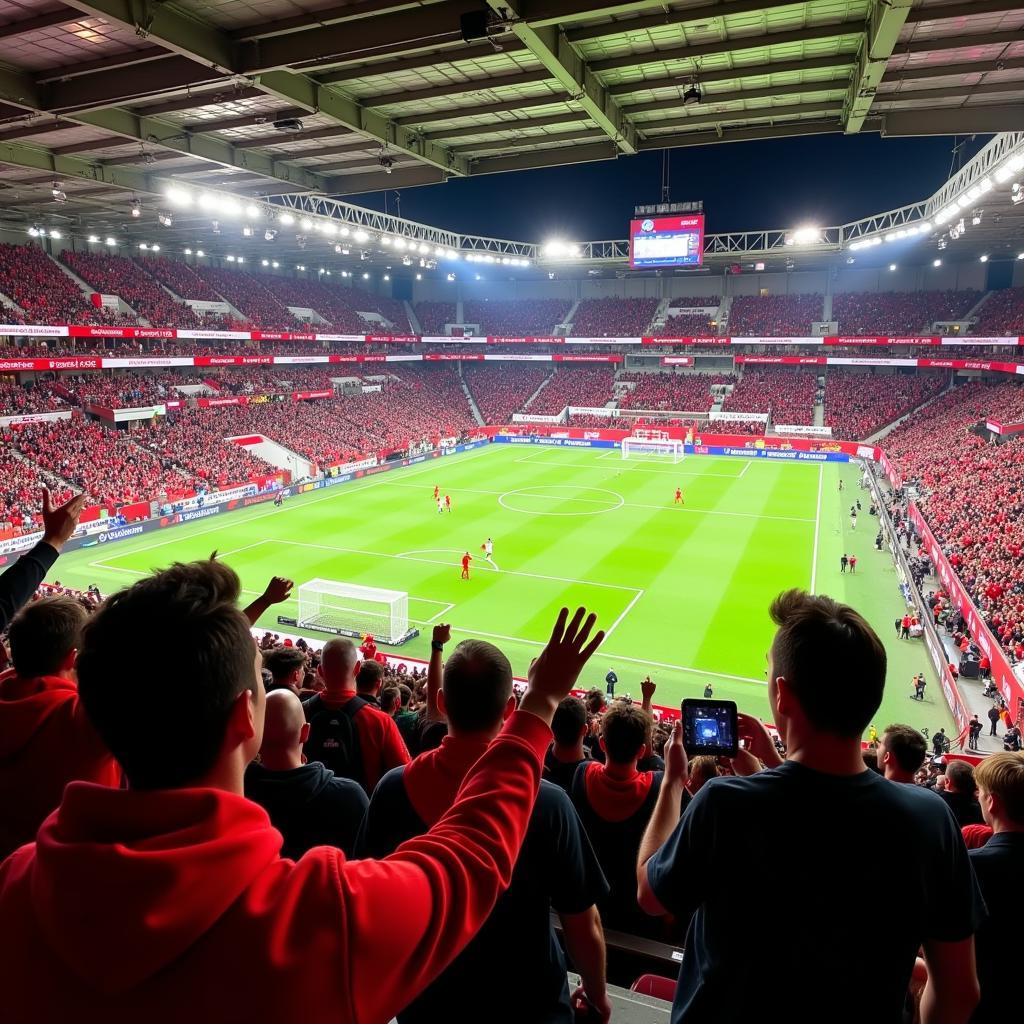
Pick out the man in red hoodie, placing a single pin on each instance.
(151, 902)
(45, 739)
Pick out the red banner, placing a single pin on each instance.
(787, 360)
(853, 340)
(705, 340)
(302, 396)
(677, 360)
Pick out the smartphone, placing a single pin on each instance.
(709, 727)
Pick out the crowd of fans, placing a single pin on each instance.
(433, 317)
(43, 291)
(898, 313)
(180, 278)
(500, 391)
(126, 390)
(1002, 314)
(789, 395)
(774, 315)
(613, 318)
(516, 317)
(18, 400)
(251, 297)
(582, 386)
(971, 497)
(858, 404)
(117, 275)
(676, 392)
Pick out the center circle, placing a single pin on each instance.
(543, 500)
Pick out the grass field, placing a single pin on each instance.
(683, 593)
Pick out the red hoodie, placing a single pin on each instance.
(175, 904)
(45, 743)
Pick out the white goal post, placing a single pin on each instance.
(348, 609)
(653, 442)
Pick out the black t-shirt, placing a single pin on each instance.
(560, 772)
(514, 970)
(310, 806)
(965, 808)
(999, 865)
(859, 871)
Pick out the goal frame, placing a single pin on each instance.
(653, 442)
(345, 603)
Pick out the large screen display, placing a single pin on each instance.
(667, 241)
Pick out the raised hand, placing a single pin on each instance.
(59, 523)
(278, 589)
(677, 764)
(442, 633)
(761, 744)
(647, 688)
(554, 673)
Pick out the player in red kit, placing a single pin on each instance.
(466, 559)
(437, 492)
(448, 502)
(679, 497)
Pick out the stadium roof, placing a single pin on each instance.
(113, 98)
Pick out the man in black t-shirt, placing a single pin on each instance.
(567, 753)
(959, 794)
(513, 972)
(307, 803)
(797, 830)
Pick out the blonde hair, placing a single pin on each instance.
(1003, 776)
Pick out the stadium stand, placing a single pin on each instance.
(584, 386)
(179, 277)
(20, 483)
(126, 390)
(787, 394)
(678, 392)
(516, 317)
(774, 315)
(41, 289)
(116, 275)
(433, 316)
(686, 325)
(499, 390)
(250, 297)
(898, 313)
(1002, 314)
(16, 400)
(858, 404)
(613, 318)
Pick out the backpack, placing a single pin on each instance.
(334, 738)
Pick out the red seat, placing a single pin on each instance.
(655, 985)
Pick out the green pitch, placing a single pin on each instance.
(683, 592)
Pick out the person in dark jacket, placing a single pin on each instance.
(959, 794)
(307, 803)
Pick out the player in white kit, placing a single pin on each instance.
(488, 547)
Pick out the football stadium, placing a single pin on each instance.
(623, 541)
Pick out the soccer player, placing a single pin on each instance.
(279, 499)
(679, 497)
(488, 549)
(466, 559)
(440, 507)
(437, 493)
(448, 502)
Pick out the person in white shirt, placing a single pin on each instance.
(489, 552)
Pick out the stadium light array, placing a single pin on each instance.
(806, 235)
(275, 264)
(178, 196)
(366, 277)
(556, 249)
(206, 201)
(110, 241)
(419, 277)
(360, 235)
(93, 239)
(230, 259)
(264, 263)
(286, 220)
(188, 252)
(936, 263)
(55, 234)
(1020, 255)
(200, 254)
(892, 266)
(400, 244)
(983, 257)
(252, 211)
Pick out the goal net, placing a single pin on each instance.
(655, 443)
(351, 610)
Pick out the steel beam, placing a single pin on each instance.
(741, 116)
(729, 46)
(713, 99)
(703, 13)
(359, 146)
(428, 59)
(746, 134)
(377, 181)
(40, 21)
(955, 92)
(330, 15)
(945, 43)
(564, 64)
(881, 34)
(27, 130)
(499, 127)
(977, 67)
(322, 45)
(255, 117)
(458, 88)
(962, 10)
(168, 27)
(313, 135)
(481, 110)
(841, 61)
(529, 141)
(547, 158)
(200, 99)
(61, 167)
(955, 120)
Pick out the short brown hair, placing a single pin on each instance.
(44, 633)
(477, 685)
(1003, 776)
(961, 775)
(369, 676)
(625, 729)
(569, 721)
(282, 662)
(907, 746)
(832, 660)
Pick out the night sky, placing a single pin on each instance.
(780, 183)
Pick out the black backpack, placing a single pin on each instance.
(334, 738)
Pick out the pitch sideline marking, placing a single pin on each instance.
(817, 529)
(629, 607)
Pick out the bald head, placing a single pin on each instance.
(284, 725)
(338, 663)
